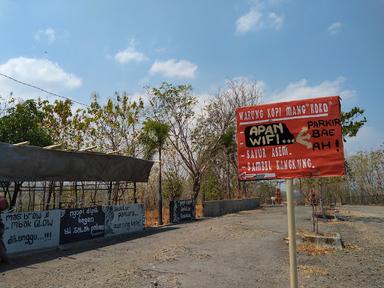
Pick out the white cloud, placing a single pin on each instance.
(174, 68)
(301, 90)
(39, 72)
(46, 35)
(368, 138)
(276, 21)
(260, 17)
(335, 28)
(249, 21)
(130, 55)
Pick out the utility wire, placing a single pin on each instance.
(41, 89)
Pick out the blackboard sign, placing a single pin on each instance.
(123, 219)
(25, 231)
(182, 210)
(81, 224)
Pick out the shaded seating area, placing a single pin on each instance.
(57, 197)
(55, 178)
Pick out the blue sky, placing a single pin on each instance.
(296, 49)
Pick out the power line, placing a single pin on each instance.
(41, 89)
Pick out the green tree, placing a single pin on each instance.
(80, 133)
(153, 137)
(174, 182)
(352, 121)
(211, 187)
(24, 122)
(173, 185)
(114, 126)
(229, 144)
(57, 120)
(366, 173)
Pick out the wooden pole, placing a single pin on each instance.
(134, 192)
(160, 194)
(34, 197)
(291, 235)
(61, 193)
(110, 193)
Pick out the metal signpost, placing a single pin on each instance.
(287, 140)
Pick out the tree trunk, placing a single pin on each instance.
(34, 197)
(202, 201)
(94, 200)
(54, 196)
(20, 197)
(82, 195)
(5, 186)
(228, 177)
(15, 194)
(322, 198)
(29, 196)
(196, 185)
(76, 199)
(160, 196)
(313, 218)
(115, 193)
(61, 193)
(134, 193)
(110, 193)
(51, 187)
(244, 188)
(42, 203)
(239, 188)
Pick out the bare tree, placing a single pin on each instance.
(199, 138)
(175, 105)
(219, 121)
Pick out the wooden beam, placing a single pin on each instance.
(87, 148)
(21, 143)
(54, 146)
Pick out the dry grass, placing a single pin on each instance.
(199, 211)
(308, 271)
(151, 217)
(311, 248)
(314, 250)
(351, 247)
(359, 214)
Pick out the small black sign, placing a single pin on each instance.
(81, 224)
(267, 135)
(182, 210)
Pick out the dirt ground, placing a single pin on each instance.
(237, 250)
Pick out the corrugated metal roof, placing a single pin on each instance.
(31, 163)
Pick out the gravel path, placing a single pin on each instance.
(238, 250)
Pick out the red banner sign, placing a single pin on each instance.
(290, 139)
